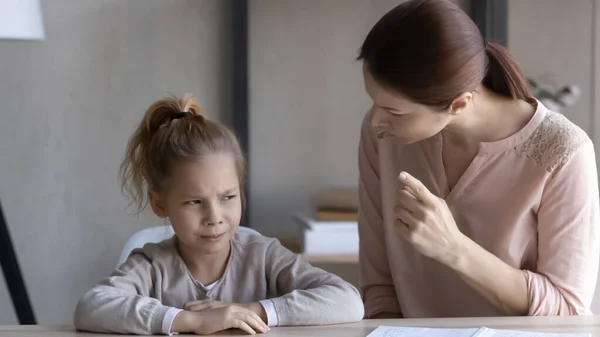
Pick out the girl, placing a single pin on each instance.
(496, 211)
(207, 277)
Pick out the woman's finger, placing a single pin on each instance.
(417, 188)
(406, 200)
(407, 217)
(412, 193)
(404, 229)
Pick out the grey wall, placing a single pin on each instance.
(552, 40)
(69, 103)
(306, 102)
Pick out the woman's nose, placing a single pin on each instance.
(376, 117)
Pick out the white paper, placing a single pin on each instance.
(398, 331)
(392, 331)
(513, 333)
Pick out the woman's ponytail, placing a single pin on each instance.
(503, 75)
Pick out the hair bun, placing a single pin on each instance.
(187, 106)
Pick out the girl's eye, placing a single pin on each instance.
(193, 202)
(229, 197)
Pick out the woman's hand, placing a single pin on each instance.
(426, 221)
(209, 321)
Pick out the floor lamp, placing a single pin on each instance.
(19, 20)
(13, 276)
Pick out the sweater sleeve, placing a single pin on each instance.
(123, 303)
(568, 242)
(377, 286)
(308, 295)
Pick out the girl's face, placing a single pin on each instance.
(203, 203)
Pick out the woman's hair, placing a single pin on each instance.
(173, 130)
(431, 51)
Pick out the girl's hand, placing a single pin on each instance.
(222, 318)
(201, 305)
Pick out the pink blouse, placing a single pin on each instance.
(530, 199)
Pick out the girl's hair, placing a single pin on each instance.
(173, 130)
(431, 51)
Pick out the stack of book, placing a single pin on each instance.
(336, 204)
(334, 229)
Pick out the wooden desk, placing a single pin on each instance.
(581, 324)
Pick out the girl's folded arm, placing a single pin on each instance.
(123, 302)
(309, 295)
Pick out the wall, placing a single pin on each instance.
(69, 103)
(552, 40)
(306, 102)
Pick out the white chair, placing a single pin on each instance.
(154, 235)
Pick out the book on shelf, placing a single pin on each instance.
(328, 237)
(336, 198)
(311, 224)
(336, 215)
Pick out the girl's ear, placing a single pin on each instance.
(158, 204)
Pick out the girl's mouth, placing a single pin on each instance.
(212, 238)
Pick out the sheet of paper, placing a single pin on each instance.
(512, 333)
(398, 331)
(394, 331)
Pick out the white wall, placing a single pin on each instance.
(69, 103)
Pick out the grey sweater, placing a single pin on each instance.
(154, 280)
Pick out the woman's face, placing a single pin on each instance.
(395, 115)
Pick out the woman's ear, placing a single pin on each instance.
(460, 103)
(158, 204)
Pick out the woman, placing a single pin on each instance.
(475, 200)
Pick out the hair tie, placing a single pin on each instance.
(181, 115)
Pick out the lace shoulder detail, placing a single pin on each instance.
(553, 143)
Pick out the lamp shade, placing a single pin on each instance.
(21, 20)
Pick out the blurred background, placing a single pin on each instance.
(72, 96)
